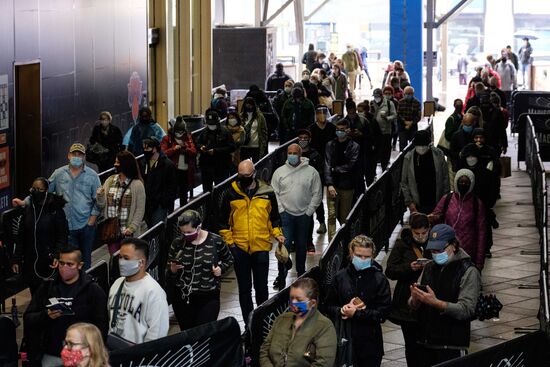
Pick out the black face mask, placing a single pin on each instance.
(245, 181)
(144, 120)
(463, 188)
(37, 196)
(148, 154)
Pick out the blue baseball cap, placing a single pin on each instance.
(439, 237)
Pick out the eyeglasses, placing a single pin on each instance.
(63, 263)
(71, 345)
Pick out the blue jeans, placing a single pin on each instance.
(295, 230)
(83, 238)
(247, 265)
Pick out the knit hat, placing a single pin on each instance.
(422, 138)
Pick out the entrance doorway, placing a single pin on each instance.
(28, 125)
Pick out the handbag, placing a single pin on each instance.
(344, 348)
(506, 166)
(115, 341)
(109, 228)
(444, 144)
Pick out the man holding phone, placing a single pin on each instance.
(446, 298)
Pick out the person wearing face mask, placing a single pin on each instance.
(160, 180)
(196, 262)
(341, 157)
(248, 218)
(255, 126)
(277, 80)
(238, 134)
(302, 336)
(495, 126)
(215, 144)
(138, 311)
(45, 327)
(409, 113)
(316, 160)
(298, 113)
(405, 263)
(298, 188)
(84, 347)
(78, 184)
(339, 83)
(143, 129)
(465, 212)
(424, 177)
(480, 99)
(219, 102)
(356, 131)
(508, 75)
(123, 197)
(108, 136)
(446, 298)
(493, 86)
(399, 73)
(462, 137)
(178, 145)
(384, 112)
(371, 134)
(397, 91)
(360, 295)
(42, 233)
(282, 96)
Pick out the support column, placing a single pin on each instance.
(201, 55)
(406, 39)
(185, 59)
(157, 66)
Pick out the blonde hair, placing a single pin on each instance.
(91, 336)
(362, 241)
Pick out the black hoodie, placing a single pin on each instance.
(45, 335)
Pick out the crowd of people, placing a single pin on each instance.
(449, 188)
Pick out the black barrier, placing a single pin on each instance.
(215, 344)
(530, 102)
(541, 126)
(261, 319)
(100, 274)
(11, 222)
(526, 351)
(334, 258)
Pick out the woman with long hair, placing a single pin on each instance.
(122, 196)
(83, 347)
(255, 126)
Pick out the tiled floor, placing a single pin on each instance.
(502, 275)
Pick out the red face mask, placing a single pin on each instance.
(71, 357)
(190, 237)
(66, 273)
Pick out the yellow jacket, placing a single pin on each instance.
(250, 222)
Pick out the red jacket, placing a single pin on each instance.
(469, 226)
(167, 146)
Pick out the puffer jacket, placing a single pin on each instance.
(316, 329)
(399, 268)
(469, 225)
(250, 222)
(332, 170)
(408, 179)
(373, 288)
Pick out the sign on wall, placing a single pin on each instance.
(4, 96)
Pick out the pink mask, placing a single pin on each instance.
(66, 273)
(71, 357)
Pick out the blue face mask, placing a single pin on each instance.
(293, 159)
(441, 258)
(408, 97)
(299, 308)
(361, 264)
(76, 161)
(467, 129)
(340, 134)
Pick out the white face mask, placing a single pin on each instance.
(212, 127)
(288, 89)
(377, 99)
(471, 161)
(232, 122)
(422, 149)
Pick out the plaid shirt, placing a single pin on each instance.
(114, 201)
(409, 110)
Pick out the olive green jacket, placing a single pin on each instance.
(316, 329)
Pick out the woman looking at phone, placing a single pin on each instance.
(360, 293)
(196, 262)
(405, 265)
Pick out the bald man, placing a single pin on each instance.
(409, 112)
(248, 219)
(462, 137)
(298, 188)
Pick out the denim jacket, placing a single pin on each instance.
(79, 192)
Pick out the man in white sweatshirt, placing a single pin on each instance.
(298, 188)
(138, 309)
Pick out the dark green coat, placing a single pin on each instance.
(316, 329)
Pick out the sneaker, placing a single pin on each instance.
(310, 248)
(322, 228)
(275, 282)
(280, 284)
